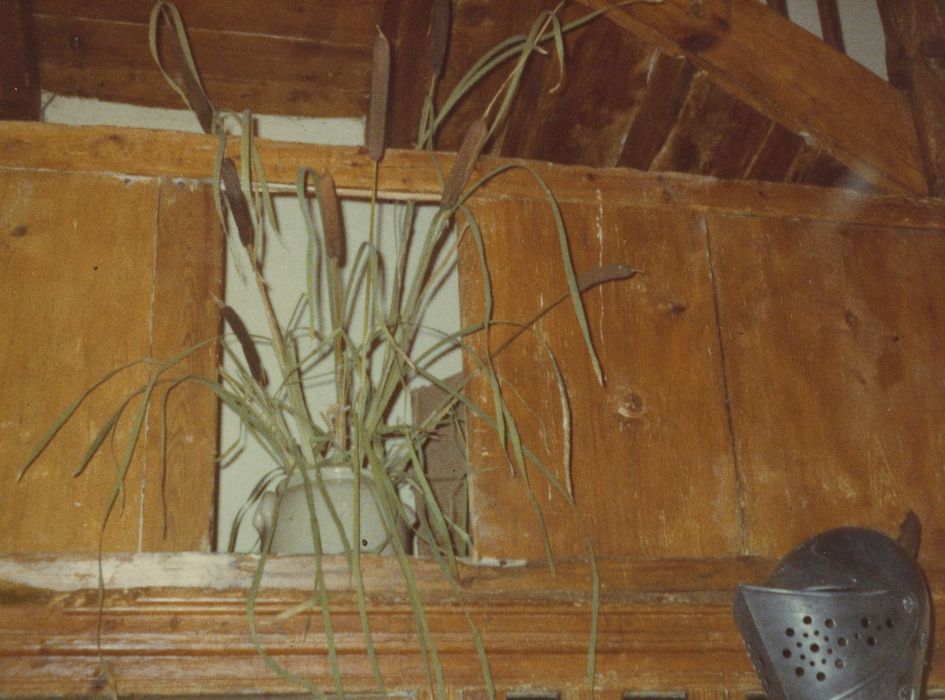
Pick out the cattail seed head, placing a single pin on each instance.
(238, 204)
(439, 34)
(469, 151)
(380, 85)
(332, 223)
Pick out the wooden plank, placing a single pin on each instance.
(631, 434)
(832, 346)
(78, 285)
(409, 174)
(813, 166)
(830, 28)
(774, 158)
(668, 83)
(715, 134)
(167, 638)
(705, 580)
(915, 35)
(111, 61)
(582, 116)
(410, 69)
(86, 301)
(314, 20)
(19, 77)
(760, 58)
(179, 505)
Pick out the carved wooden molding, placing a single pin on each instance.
(176, 624)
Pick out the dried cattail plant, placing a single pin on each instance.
(332, 223)
(253, 362)
(439, 34)
(373, 369)
(380, 87)
(239, 207)
(469, 152)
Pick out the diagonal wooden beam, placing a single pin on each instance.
(793, 78)
(915, 53)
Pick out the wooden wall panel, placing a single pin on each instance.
(77, 264)
(659, 420)
(180, 499)
(60, 251)
(834, 342)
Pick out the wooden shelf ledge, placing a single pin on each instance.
(129, 152)
(176, 624)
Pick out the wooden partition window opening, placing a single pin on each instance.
(772, 372)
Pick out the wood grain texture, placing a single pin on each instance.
(915, 51)
(581, 116)
(83, 298)
(314, 20)
(407, 174)
(180, 486)
(832, 339)
(77, 286)
(758, 57)
(110, 60)
(161, 637)
(19, 75)
(668, 82)
(714, 134)
(652, 333)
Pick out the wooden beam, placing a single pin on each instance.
(791, 77)
(314, 62)
(830, 27)
(779, 6)
(19, 77)
(409, 174)
(915, 54)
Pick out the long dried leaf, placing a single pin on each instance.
(192, 90)
(377, 112)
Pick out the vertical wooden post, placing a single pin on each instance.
(915, 56)
(830, 23)
(19, 76)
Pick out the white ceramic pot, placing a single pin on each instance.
(293, 533)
